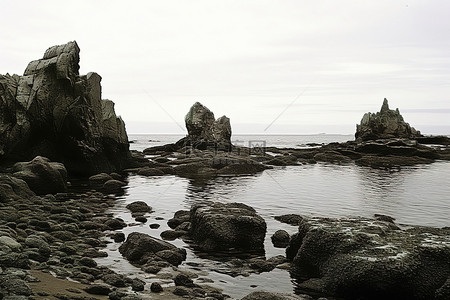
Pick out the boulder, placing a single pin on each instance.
(280, 239)
(98, 180)
(139, 207)
(98, 289)
(183, 280)
(113, 186)
(12, 244)
(42, 176)
(179, 218)
(12, 188)
(54, 112)
(155, 287)
(218, 226)
(204, 132)
(140, 247)
(363, 258)
(384, 124)
(291, 219)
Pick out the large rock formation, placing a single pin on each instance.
(54, 112)
(219, 226)
(385, 124)
(206, 132)
(369, 259)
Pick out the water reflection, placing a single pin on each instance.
(413, 195)
(223, 189)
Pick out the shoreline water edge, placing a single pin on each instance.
(65, 164)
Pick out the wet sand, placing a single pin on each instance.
(50, 287)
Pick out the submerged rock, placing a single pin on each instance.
(369, 259)
(221, 226)
(385, 124)
(54, 112)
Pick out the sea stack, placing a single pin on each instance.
(385, 124)
(204, 131)
(54, 112)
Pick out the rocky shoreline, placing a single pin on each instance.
(57, 132)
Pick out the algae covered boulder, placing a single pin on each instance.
(360, 258)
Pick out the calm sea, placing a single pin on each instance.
(418, 195)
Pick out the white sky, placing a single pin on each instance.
(249, 60)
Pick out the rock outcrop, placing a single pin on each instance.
(204, 131)
(54, 112)
(386, 123)
(369, 259)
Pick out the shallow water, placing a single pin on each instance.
(418, 195)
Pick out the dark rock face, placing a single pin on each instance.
(204, 131)
(42, 176)
(221, 226)
(385, 124)
(54, 112)
(369, 259)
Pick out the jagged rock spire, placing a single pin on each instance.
(53, 111)
(205, 131)
(385, 106)
(385, 124)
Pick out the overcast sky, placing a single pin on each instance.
(301, 66)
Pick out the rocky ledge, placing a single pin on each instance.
(358, 258)
(54, 112)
